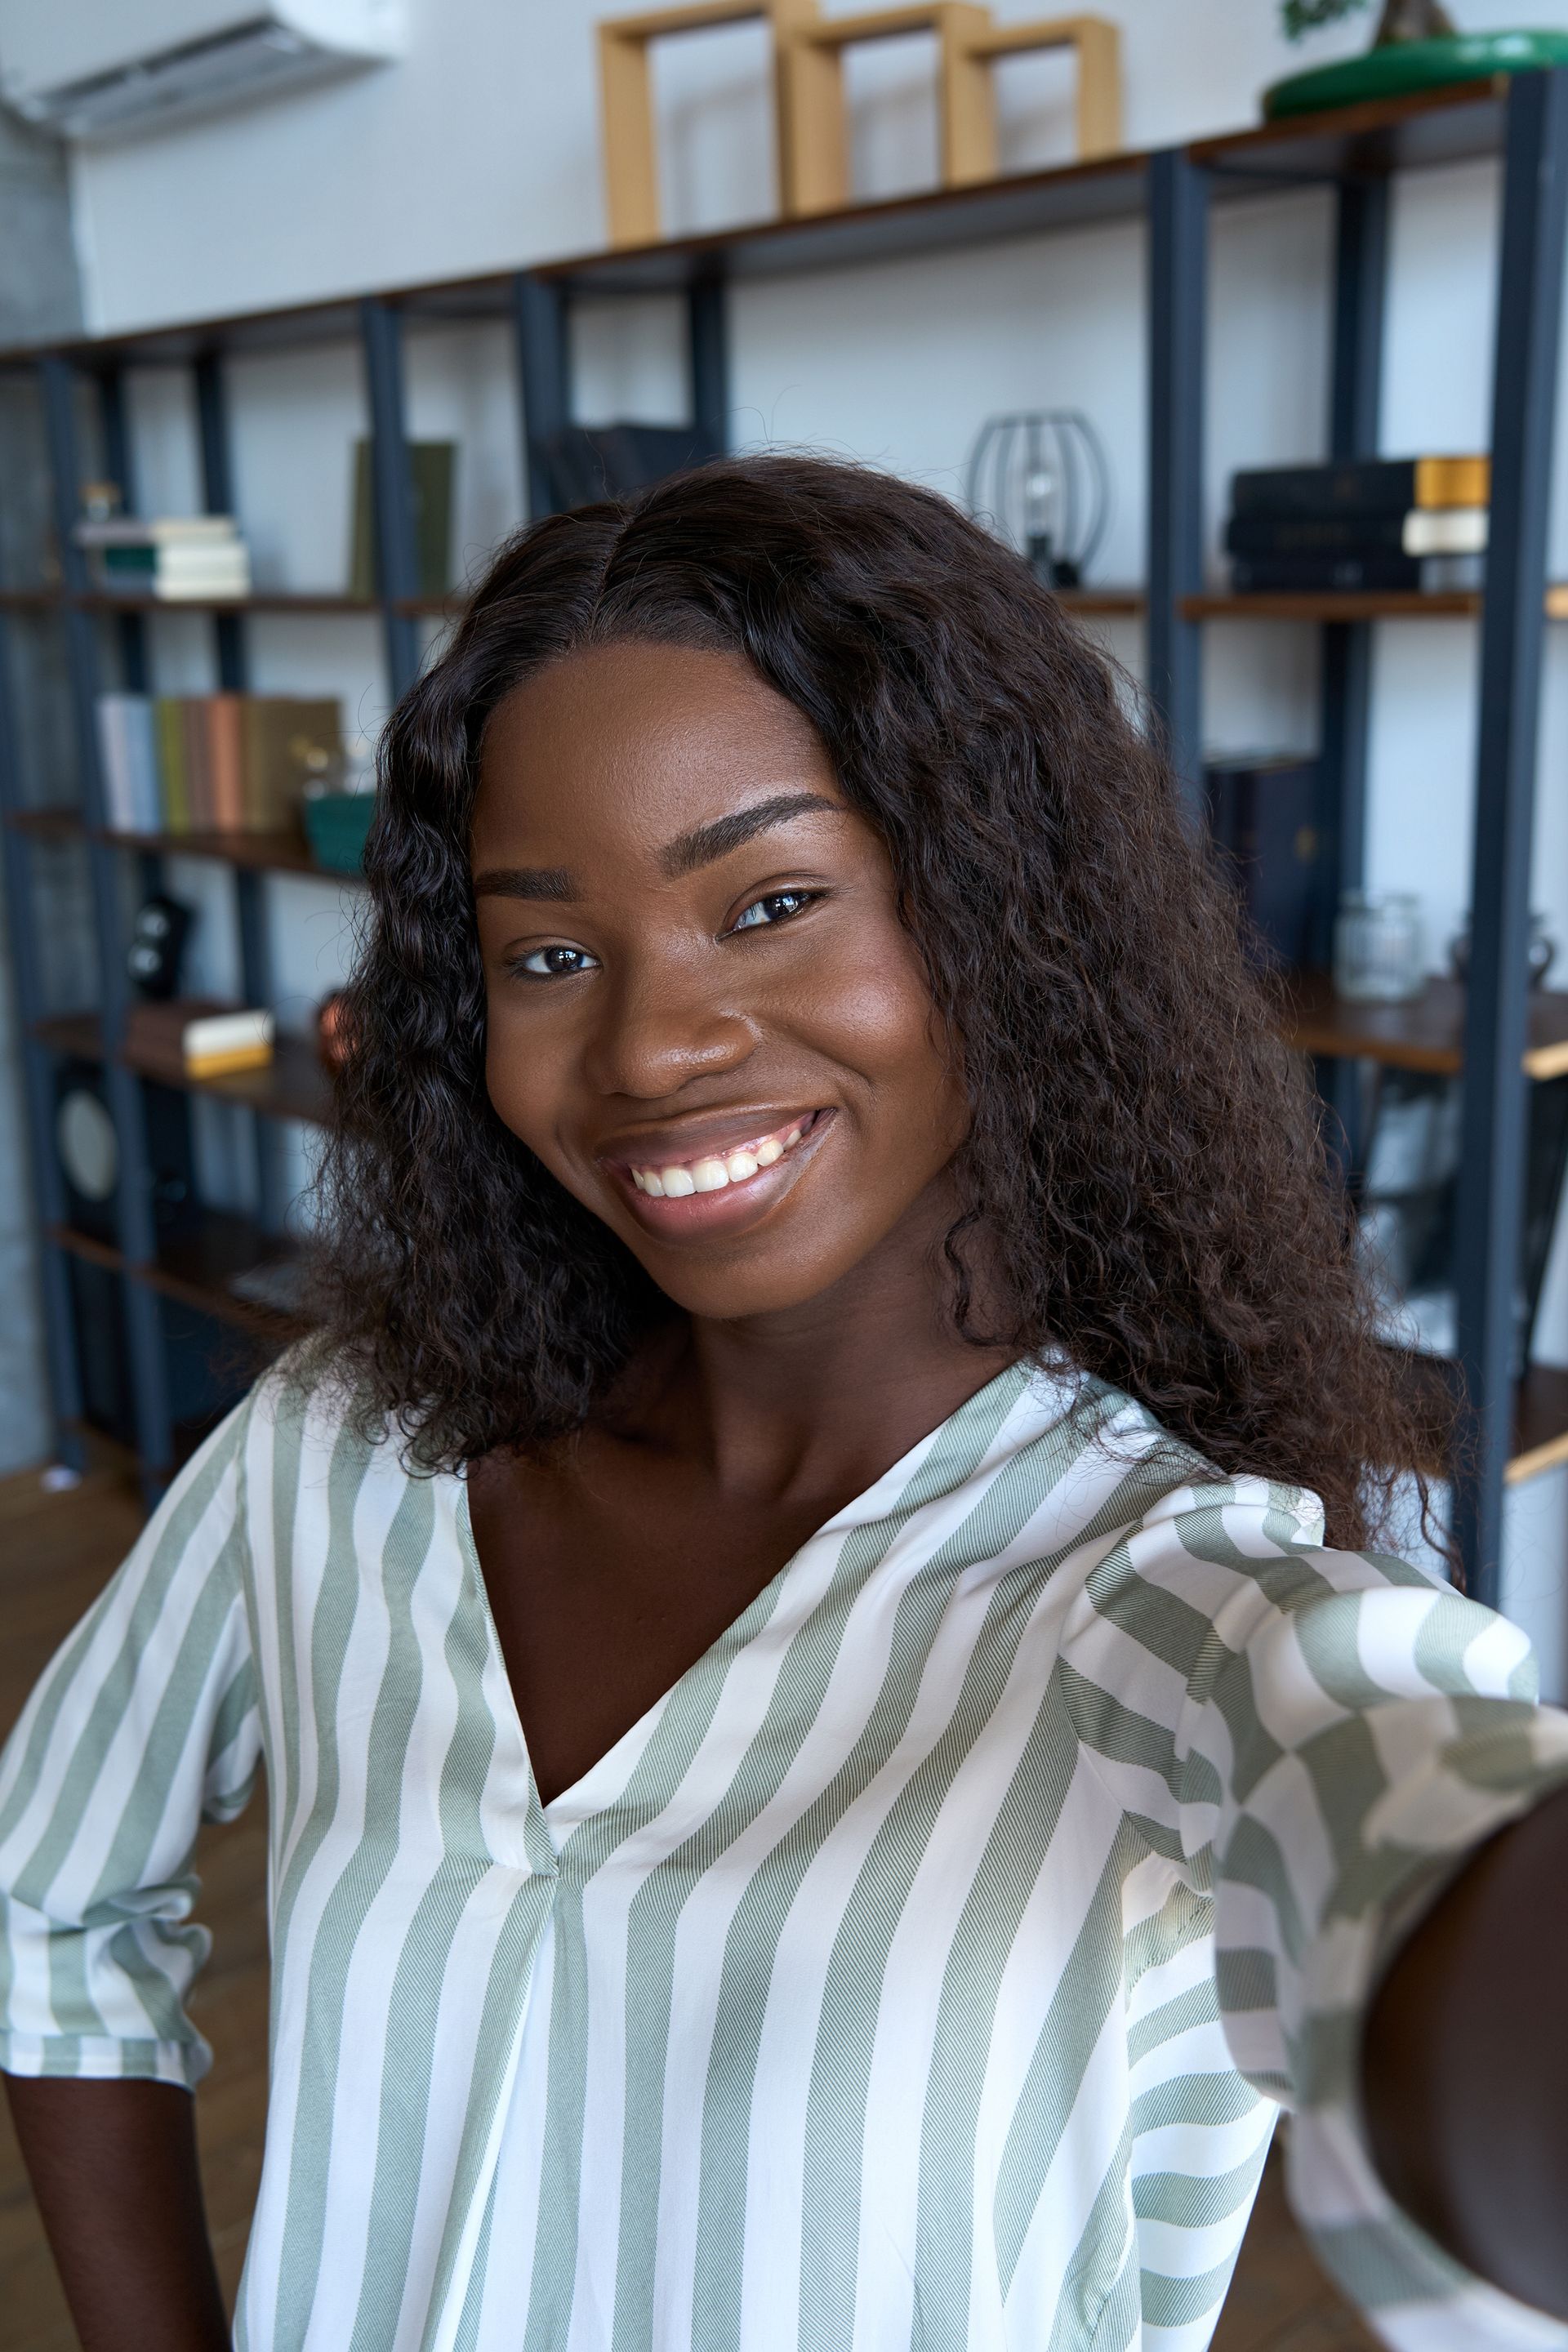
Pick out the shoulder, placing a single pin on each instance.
(308, 1423)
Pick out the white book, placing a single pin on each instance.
(228, 1040)
(114, 763)
(142, 744)
(157, 530)
(1446, 531)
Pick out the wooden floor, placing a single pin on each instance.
(57, 1552)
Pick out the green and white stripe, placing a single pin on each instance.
(922, 1971)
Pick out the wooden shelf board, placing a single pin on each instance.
(1427, 1034)
(45, 823)
(1104, 603)
(195, 1269)
(1356, 605)
(78, 1035)
(1433, 129)
(266, 853)
(293, 1085)
(320, 601)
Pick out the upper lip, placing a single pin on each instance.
(714, 1133)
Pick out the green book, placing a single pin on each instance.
(169, 713)
(432, 467)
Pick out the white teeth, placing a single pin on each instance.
(711, 1174)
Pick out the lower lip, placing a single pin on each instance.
(701, 1215)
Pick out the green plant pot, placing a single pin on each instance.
(336, 825)
(1404, 67)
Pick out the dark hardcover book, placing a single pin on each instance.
(1334, 534)
(1383, 570)
(590, 462)
(1363, 486)
(1263, 822)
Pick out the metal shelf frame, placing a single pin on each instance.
(1355, 151)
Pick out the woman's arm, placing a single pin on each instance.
(1465, 2067)
(113, 2166)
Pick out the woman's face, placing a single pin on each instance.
(705, 1017)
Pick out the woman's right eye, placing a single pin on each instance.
(552, 962)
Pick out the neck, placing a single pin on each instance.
(817, 1399)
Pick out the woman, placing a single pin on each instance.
(825, 1778)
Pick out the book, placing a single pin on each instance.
(284, 745)
(226, 760)
(1363, 486)
(1383, 570)
(156, 530)
(1264, 824)
(188, 557)
(171, 735)
(1441, 530)
(115, 763)
(432, 466)
(198, 767)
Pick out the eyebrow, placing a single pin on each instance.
(688, 851)
(707, 843)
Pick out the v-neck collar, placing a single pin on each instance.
(988, 1411)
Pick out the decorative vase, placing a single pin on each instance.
(1400, 67)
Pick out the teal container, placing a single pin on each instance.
(336, 825)
(1402, 69)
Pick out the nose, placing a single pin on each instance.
(661, 1027)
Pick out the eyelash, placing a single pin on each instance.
(521, 967)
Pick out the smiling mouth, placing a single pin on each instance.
(720, 1172)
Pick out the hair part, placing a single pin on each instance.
(1143, 1156)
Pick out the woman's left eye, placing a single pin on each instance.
(776, 907)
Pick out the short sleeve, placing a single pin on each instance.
(1315, 1739)
(145, 1723)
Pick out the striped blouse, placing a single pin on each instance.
(925, 1970)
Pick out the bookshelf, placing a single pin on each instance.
(1499, 1039)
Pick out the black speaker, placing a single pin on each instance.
(89, 1148)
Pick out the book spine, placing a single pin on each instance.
(1380, 486)
(111, 762)
(198, 767)
(146, 808)
(172, 765)
(1395, 574)
(224, 755)
(1271, 534)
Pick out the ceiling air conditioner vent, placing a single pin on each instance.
(99, 69)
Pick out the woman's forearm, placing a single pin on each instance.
(1465, 2072)
(114, 2168)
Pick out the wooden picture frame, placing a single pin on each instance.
(625, 99)
(817, 175)
(1097, 43)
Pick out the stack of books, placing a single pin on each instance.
(181, 559)
(1388, 524)
(213, 762)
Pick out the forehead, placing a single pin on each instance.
(629, 745)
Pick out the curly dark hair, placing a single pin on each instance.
(1145, 1155)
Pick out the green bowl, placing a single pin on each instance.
(336, 825)
(1404, 68)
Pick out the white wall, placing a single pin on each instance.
(480, 151)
